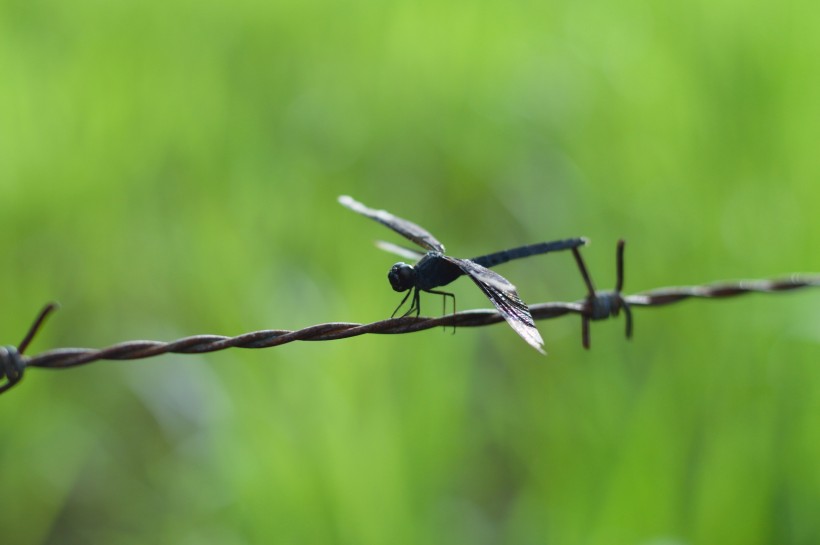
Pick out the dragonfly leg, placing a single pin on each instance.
(444, 297)
(402, 304)
(416, 303)
(415, 306)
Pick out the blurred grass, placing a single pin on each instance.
(171, 168)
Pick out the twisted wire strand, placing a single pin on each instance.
(598, 305)
(664, 296)
(63, 358)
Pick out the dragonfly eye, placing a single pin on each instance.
(402, 276)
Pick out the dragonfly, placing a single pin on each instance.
(434, 269)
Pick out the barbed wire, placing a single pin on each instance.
(597, 305)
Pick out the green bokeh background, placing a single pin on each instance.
(171, 168)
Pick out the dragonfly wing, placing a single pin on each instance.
(505, 298)
(401, 251)
(405, 228)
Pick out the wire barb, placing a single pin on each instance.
(597, 305)
(600, 305)
(12, 361)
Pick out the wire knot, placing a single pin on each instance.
(605, 304)
(12, 365)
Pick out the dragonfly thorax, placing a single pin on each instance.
(402, 276)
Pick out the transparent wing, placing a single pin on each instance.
(405, 228)
(505, 298)
(401, 251)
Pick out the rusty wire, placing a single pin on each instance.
(597, 305)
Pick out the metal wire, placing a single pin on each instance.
(597, 305)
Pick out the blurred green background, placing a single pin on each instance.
(171, 168)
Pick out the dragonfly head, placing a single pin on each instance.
(402, 276)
